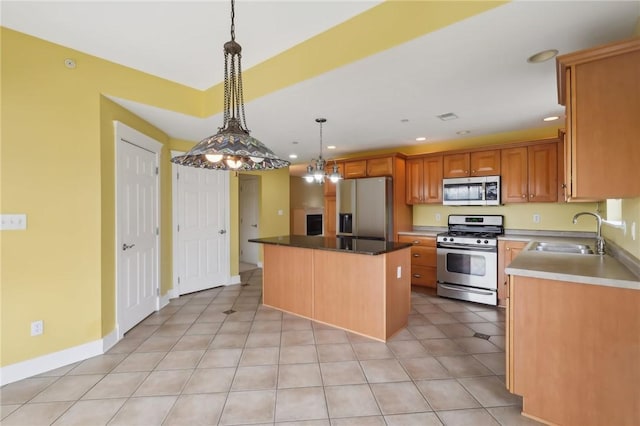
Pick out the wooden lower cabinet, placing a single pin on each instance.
(423, 260)
(507, 251)
(573, 351)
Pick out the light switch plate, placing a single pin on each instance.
(13, 222)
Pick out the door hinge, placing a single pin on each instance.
(157, 292)
(177, 176)
(178, 280)
(178, 228)
(157, 231)
(156, 170)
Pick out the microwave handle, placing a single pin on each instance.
(484, 190)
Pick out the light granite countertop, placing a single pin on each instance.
(602, 270)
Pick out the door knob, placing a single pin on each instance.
(222, 231)
(127, 246)
(255, 225)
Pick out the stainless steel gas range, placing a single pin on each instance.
(468, 258)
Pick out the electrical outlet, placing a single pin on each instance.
(13, 222)
(399, 272)
(438, 217)
(37, 328)
(633, 231)
(536, 218)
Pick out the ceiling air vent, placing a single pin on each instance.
(447, 116)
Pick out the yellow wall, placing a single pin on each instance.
(630, 215)
(553, 216)
(57, 131)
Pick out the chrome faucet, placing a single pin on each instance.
(599, 239)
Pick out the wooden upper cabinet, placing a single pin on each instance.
(478, 163)
(456, 165)
(514, 179)
(424, 180)
(355, 169)
(485, 163)
(414, 180)
(380, 167)
(371, 167)
(530, 173)
(600, 88)
(543, 172)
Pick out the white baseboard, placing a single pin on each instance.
(21, 370)
(235, 279)
(110, 340)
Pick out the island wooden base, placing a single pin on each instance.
(356, 292)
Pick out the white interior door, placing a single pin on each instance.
(249, 218)
(203, 241)
(137, 228)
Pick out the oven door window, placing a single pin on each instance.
(467, 264)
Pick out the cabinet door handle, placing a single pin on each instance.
(417, 276)
(524, 195)
(532, 195)
(415, 255)
(416, 242)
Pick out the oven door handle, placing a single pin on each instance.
(466, 290)
(466, 247)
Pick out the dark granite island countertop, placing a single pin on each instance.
(343, 244)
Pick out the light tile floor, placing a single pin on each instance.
(191, 364)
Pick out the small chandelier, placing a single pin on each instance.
(232, 148)
(316, 173)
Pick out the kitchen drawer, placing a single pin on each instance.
(423, 256)
(418, 241)
(424, 276)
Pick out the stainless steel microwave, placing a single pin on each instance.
(471, 191)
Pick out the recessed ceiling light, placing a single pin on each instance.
(331, 147)
(543, 56)
(295, 142)
(551, 118)
(463, 132)
(404, 120)
(293, 155)
(447, 116)
(421, 138)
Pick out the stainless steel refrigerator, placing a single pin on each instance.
(364, 208)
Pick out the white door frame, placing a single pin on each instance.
(175, 292)
(255, 206)
(126, 134)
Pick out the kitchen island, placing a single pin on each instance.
(573, 338)
(360, 285)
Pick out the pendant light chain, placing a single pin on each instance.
(232, 147)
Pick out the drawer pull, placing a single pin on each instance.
(417, 276)
(416, 241)
(416, 255)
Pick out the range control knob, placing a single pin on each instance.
(478, 241)
(486, 241)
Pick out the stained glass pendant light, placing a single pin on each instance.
(232, 148)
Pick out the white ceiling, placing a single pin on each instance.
(475, 68)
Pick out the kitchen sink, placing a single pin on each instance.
(561, 248)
